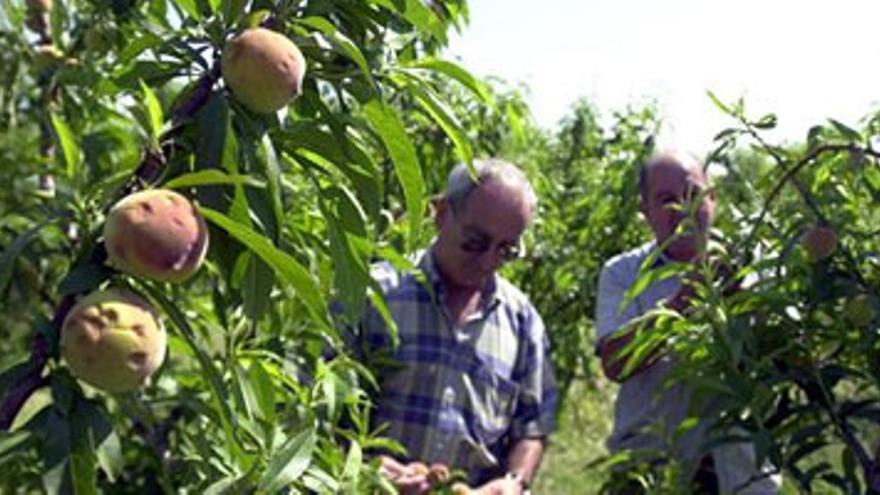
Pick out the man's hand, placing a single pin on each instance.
(613, 360)
(500, 486)
(409, 479)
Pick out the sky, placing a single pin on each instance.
(806, 60)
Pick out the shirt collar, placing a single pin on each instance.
(661, 258)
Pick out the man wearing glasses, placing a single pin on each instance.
(469, 385)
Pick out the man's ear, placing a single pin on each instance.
(441, 207)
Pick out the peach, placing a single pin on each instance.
(156, 234)
(264, 69)
(820, 242)
(114, 340)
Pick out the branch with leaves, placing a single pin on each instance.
(148, 172)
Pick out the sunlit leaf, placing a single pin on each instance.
(390, 129)
(69, 146)
(286, 267)
(289, 462)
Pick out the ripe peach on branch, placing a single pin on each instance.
(156, 234)
(820, 242)
(114, 340)
(263, 68)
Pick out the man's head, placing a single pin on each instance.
(671, 187)
(480, 221)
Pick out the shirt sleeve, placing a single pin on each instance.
(612, 287)
(535, 412)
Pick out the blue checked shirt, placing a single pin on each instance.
(460, 396)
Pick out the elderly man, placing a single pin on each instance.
(470, 384)
(671, 186)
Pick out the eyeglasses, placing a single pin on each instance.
(508, 252)
(478, 242)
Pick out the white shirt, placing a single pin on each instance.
(646, 414)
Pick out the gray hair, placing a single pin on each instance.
(461, 184)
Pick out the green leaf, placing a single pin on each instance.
(350, 271)
(7, 261)
(84, 276)
(144, 41)
(721, 106)
(255, 18)
(431, 102)
(69, 146)
(212, 177)
(54, 450)
(290, 462)
(419, 15)
(341, 42)
(338, 150)
(272, 170)
(102, 438)
(257, 288)
(766, 122)
(215, 5)
(353, 463)
(222, 486)
(154, 113)
(83, 461)
(190, 7)
(351, 216)
(210, 371)
(648, 277)
(13, 442)
(264, 390)
(327, 381)
(458, 73)
(286, 267)
(845, 131)
(246, 400)
(406, 164)
(233, 10)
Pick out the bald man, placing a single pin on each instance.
(470, 384)
(678, 206)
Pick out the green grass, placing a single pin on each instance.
(584, 425)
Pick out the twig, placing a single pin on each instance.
(811, 156)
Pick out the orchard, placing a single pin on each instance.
(193, 187)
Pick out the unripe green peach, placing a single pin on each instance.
(820, 242)
(859, 310)
(156, 234)
(113, 339)
(264, 69)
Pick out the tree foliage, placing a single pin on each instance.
(298, 205)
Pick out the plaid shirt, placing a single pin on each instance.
(461, 396)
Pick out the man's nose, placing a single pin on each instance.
(491, 260)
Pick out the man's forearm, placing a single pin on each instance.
(610, 349)
(525, 457)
